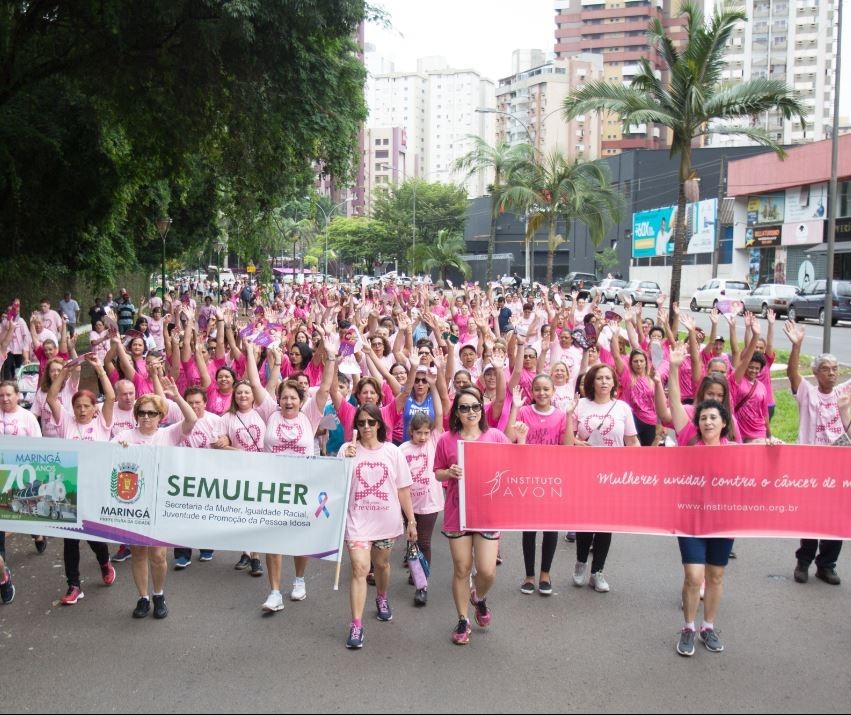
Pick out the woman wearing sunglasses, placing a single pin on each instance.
(467, 422)
(380, 494)
(149, 411)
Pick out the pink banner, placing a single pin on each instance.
(740, 490)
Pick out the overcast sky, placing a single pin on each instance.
(481, 34)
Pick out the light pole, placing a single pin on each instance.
(327, 222)
(163, 225)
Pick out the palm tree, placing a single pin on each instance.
(693, 102)
(554, 188)
(444, 253)
(483, 157)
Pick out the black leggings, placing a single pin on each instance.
(425, 529)
(646, 433)
(601, 542)
(548, 551)
(71, 554)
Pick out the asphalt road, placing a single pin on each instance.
(787, 644)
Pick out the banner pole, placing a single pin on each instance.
(462, 488)
(343, 526)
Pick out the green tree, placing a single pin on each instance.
(445, 252)
(500, 159)
(358, 240)
(606, 260)
(551, 187)
(438, 206)
(692, 102)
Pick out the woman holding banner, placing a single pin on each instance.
(599, 420)
(87, 424)
(380, 494)
(467, 422)
(149, 411)
(290, 430)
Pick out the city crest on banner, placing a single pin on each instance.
(126, 483)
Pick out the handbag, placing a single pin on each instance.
(843, 440)
(417, 565)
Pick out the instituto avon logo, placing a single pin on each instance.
(126, 484)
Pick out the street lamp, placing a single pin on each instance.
(327, 222)
(163, 225)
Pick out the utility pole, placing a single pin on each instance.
(722, 190)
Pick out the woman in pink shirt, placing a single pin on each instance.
(599, 420)
(747, 391)
(69, 381)
(637, 391)
(546, 425)
(380, 495)
(87, 424)
(149, 411)
(467, 422)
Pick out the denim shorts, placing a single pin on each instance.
(712, 551)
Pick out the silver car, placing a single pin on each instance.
(641, 292)
(770, 296)
(609, 289)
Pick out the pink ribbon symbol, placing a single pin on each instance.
(323, 500)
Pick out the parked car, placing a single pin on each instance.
(579, 281)
(609, 289)
(718, 289)
(770, 296)
(809, 303)
(641, 292)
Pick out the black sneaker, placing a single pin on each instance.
(7, 589)
(527, 587)
(160, 609)
(143, 608)
(243, 563)
(256, 568)
(545, 588)
(41, 545)
(802, 572)
(828, 575)
(421, 597)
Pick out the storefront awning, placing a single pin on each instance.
(839, 247)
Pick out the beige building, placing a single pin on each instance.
(529, 103)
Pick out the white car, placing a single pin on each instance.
(717, 290)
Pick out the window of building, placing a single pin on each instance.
(378, 142)
(385, 142)
(382, 154)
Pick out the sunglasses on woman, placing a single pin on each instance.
(464, 409)
(420, 381)
(148, 413)
(367, 423)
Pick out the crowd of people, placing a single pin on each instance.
(392, 377)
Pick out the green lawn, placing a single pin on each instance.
(785, 423)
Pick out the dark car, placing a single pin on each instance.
(810, 302)
(579, 281)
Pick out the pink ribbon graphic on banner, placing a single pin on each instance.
(323, 500)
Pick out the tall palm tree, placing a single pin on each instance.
(501, 158)
(553, 188)
(444, 253)
(692, 102)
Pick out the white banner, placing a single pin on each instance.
(171, 496)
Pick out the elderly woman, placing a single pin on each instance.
(149, 411)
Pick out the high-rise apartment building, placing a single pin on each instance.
(530, 102)
(793, 41)
(616, 30)
(436, 107)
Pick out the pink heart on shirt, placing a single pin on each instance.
(10, 429)
(418, 464)
(593, 422)
(289, 432)
(371, 476)
(200, 440)
(248, 438)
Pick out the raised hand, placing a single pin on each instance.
(688, 322)
(714, 315)
(794, 332)
(521, 431)
(517, 397)
(771, 316)
(677, 355)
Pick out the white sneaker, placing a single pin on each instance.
(599, 583)
(299, 592)
(275, 602)
(580, 573)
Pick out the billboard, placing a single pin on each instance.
(806, 203)
(653, 230)
(763, 236)
(769, 208)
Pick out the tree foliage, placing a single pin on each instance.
(445, 252)
(358, 241)
(114, 113)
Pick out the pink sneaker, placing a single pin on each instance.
(108, 573)
(461, 634)
(73, 595)
(483, 613)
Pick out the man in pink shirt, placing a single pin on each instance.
(820, 423)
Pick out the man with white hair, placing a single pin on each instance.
(819, 423)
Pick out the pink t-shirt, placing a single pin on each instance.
(752, 416)
(206, 431)
(95, 431)
(544, 428)
(765, 377)
(156, 330)
(609, 427)
(445, 456)
(20, 423)
(426, 491)
(374, 511)
(167, 436)
(40, 408)
(295, 436)
(639, 394)
(572, 357)
(218, 402)
(245, 430)
(346, 415)
(492, 421)
(689, 435)
(562, 396)
(122, 420)
(819, 418)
